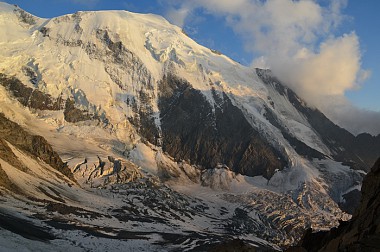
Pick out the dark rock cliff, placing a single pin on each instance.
(362, 232)
(73, 114)
(36, 146)
(35, 99)
(29, 97)
(193, 130)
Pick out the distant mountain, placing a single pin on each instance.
(158, 134)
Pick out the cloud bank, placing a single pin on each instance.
(296, 40)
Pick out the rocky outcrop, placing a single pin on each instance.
(36, 146)
(35, 99)
(362, 232)
(144, 120)
(194, 130)
(8, 156)
(73, 114)
(27, 96)
(24, 16)
(7, 183)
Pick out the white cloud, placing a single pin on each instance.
(331, 71)
(354, 119)
(296, 39)
(178, 16)
(260, 62)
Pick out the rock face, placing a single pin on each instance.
(362, 232)
(7, 183)
(37, 146)
(27, 96)
(194, 130)
(36, 99)
(73, 114)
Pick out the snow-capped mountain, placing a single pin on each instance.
(164, 142)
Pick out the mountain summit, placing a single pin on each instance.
(163, 134)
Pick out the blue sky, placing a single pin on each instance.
(210, 28)
(366, 23)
